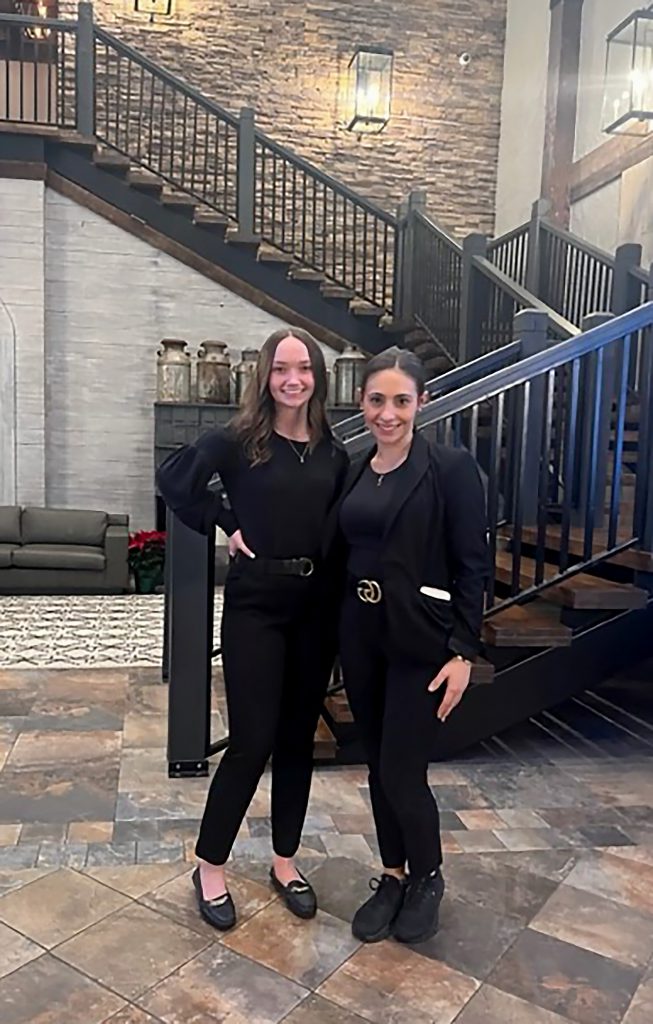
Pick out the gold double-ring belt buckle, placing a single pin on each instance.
(369, 591)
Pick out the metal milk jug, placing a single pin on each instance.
(245, 371)
(213, 373)
(173, 371)
(349, 374)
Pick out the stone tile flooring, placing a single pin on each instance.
(548, 916)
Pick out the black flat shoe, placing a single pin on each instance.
(298, 896)
(219, 912)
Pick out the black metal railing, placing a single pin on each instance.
(326, 226)
(578, 278)
(509, 254)
(38, 64)
(564, 404)
(165, 126)
(435, 281)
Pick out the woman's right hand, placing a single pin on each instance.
(236, 544)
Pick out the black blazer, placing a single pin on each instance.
(436, 536)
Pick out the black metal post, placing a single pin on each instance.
(643, 524)
(473, 298)
(190, 642)
(534, 264)
(626, 289)
(530, 328)
(592, 465)
(85, 70)
(246, 177)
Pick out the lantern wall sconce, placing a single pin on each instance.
(371, 88)
(628, 95)
(153, 7)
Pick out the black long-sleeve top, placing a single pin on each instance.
(281, 506)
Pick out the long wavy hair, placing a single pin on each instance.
(254, 423)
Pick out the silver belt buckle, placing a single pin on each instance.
(369, 591)
(307, 567)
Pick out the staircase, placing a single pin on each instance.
(554, 401)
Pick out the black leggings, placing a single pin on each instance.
(276, 661)
(396, 720)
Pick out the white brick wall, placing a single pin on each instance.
(22, 342)
(88, 304)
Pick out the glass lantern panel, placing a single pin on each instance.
(373, 84)
(642, 73)
(618, 75)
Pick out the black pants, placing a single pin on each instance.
(396, 720)
(277, 658)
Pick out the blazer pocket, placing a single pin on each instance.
(436, 594)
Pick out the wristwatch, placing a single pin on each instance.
(466, 661)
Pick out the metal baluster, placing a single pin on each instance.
(226, 134)
(324, 227)
(493, 488)
(314, 219)
(264, 207)
(304, 211)
(571, 433)
(283, 205)
(375, 250)
(623, 351)
(205, 173)
(384, 276)
(273, 233)
(334, 234)
(35, 82)
(173, 117)
(294, 209)
(162, 126)
(595, 360)
(150, 144)
(355, 247)
(183, 147)
(522, 401)
(118, 99)
(139, 130)
(344, 242)
(545, 468)
(365, 288)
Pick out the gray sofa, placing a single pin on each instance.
(62, 551)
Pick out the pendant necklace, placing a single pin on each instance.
(380, 478)
(300, 455)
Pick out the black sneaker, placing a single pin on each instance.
(373, 921)
(419, 917)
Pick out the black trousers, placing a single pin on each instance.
(277, 659)
(396, 720)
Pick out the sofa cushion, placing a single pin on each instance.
(63, 526)
(59, 556)
(6, 551)
(10, 524)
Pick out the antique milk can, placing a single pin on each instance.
(349, 372)
(245, 371)
(213, 373)
(173, 371)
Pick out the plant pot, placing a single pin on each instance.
(147, 580)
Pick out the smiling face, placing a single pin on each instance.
(291, 381)
(390, 403)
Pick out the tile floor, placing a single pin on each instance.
(548, 916)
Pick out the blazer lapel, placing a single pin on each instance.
(416, 466)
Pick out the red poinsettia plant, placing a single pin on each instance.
(147, 551)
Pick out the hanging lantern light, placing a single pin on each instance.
(152, 7)
(628, 96)
(371, 86)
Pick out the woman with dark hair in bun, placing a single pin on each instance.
(413, 519)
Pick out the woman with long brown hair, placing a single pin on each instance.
(282, 472)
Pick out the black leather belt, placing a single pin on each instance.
(277, 566)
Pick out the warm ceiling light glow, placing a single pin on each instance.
(371, 89)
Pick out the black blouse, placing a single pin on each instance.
(281, 505)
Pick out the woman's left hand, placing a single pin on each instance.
(455, 676)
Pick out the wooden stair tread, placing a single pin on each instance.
(142, 179)
(338, 708)
(579, 591)
(210, 217)
(169, 198)
(536, 624)
(637, 560)
(324, 743)
(366, 309)
(275, 256)
(307, 274)
(336, 291)
(109, 158)
(29, 128)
